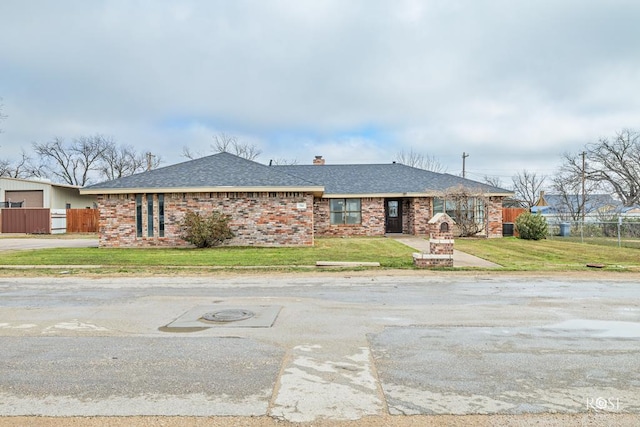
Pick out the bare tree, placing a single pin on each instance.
(23, 168)
(420, 161)
(615, 164)
(186, 152)
(118, 161)
(223, 143)
(567, 184)
(468, 208)
(527, 186)
(5, 168)
(283, 162)
(494, 181)
(72, 162)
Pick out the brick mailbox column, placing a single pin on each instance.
(440, 244)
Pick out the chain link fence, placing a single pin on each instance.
(622, 232)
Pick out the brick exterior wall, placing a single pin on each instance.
(416, 213)
(419, 212)
(494, 215)
(264, 219)
(257, 219)
(372, 210)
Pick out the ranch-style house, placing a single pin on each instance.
(282, 205)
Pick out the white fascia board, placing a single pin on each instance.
(401, 195)
(223, 189)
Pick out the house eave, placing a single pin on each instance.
(400, 195)
(316, 190)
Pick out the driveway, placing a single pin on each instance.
(17, 243)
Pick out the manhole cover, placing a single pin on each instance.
(230, 315)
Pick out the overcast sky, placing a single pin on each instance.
(513, 83)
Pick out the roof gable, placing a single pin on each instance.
(218, 170)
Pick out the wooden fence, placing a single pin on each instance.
(82, 220)
(25, 220)
(509, 215)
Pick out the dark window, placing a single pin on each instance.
(150, 215)
(161, 215)
(139, 215)
(68, 206)
(345, 211)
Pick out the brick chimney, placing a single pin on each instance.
(318, 160)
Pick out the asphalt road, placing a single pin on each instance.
(320, 347)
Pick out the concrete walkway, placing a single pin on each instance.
(460, 259)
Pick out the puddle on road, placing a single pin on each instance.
(602, 328)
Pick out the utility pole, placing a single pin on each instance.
(584, 196)
(464, 170)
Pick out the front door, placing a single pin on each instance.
(393, 215)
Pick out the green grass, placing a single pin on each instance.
(512, 253)
(550, 254)
(387, 252)
(625, 242)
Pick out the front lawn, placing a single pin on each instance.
(387, 252)
(550, 254)
(512, 253)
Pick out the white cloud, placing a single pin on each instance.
(511, 82)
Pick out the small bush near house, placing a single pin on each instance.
(206, 231)
(531, 227)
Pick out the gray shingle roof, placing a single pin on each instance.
(391, 178)
(218, 170)
(557, 203)
(228, 170)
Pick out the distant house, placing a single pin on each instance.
(280, 205)
(568, 207)
(30, 194)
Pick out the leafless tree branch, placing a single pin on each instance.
(283, 162)
(468, 209)
(420, 161)
(72, 162)
(527, 186)
(615, 163)
(223, 143)
(116, 162)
